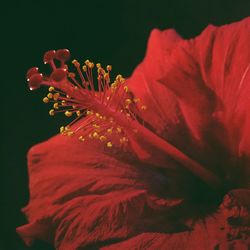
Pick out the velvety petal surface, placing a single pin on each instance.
(81, 195)
(200, 96)
(217, 231)
(196, 93)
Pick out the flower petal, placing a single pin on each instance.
(144, 84)
(83, 195)
(196, 93)
(224, 58)
(80, 195)
(210, 233)
(184, 241)
(165, 114)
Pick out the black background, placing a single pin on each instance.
(112, 32)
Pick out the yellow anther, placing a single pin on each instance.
(143, 107)
(100, 70)
(123, 140)
(109, 130)
(87, 62)
(63, 102)
(122, 80)
(98, 65)
(91, 65)
(102, 138)
(106, 76)
(118, 129)
(109, 67)
(55, 106)
(67, 128)
(45, 99)
(68, 113)
(51, 89)
(136, 100)
(114, 85)
(78, 112)
(128, 101)
(126, 88)
(97, 115)
(81, 138)
(89, 112)
(62, 129)
(84, 68)
(56, 96)
(76, 63)
(95, 135)
(68, 96)
(70, 133)
(50, 95)
(96, 126)
(71, 75)
(52, 112)
(73, 106)
(109, 144)
(118, 77)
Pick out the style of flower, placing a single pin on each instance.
(147, 160)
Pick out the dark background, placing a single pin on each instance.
(113, 32)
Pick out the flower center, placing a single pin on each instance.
(111, 114)
(104, 110)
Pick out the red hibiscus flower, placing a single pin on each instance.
(165, 158)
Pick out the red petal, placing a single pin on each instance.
(144, 83)
(163, 115)
(210, 233)
(83, 196)
(224, 58)
(197, 92)
(184, 241)
(80, 195)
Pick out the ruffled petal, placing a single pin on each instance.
(196, 93)
(161, 104)
(81, 195)
(218, 231)
(166, 114)
(223, 56)
(185, 241)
